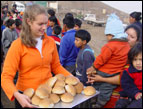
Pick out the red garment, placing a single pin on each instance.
(113, 57)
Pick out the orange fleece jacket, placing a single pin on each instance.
(113, 57)
(33, 69)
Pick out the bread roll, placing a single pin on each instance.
(36, 100)
(51, 81)
(55, 98)
(42, 93)
(60, 77)
(67, 97)
(58, 90)
(60, 83)
(48, 88)
(29, 92)
(46, 103)
(70, 89)
(71, 80)
(89, 90)
(79, 87)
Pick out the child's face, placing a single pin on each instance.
(51, 23)
(13, 26)
(78, 42)
(109, 37)
(76, 27)
(137, 62)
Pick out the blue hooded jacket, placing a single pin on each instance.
(68, 51)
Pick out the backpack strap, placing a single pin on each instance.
(90, 50)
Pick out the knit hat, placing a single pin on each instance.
(115, 27)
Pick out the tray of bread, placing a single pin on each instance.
(60, 92)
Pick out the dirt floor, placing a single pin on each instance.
(97, 41)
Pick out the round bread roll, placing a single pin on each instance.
(60, 83)
(70, 89)
(55, 98)
(71, 80)
(48, 88)
(36, 100)
(58, 90)
(89, 90)
(46, 103)
(51, 81)
(67, 97)
(29, 92)
(42, 93)
(60, 77)
(79, 87)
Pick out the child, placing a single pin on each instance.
(68, 51)
(85, 56)
(52, 22)
(56, 31)
(8, 35)
(77, 23)
(131, 80)
(111, 61)
(18, 24)
(51, 12)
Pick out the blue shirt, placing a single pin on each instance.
(68, 51)
(49, 31)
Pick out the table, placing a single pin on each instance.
(79, 98)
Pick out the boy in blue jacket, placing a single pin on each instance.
(85, 56)
(131, 80)
(68, 51)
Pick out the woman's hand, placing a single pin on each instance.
(94, 78)
(24, 100)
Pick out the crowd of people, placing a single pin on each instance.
(36, 46)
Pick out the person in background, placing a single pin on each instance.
(134, 34)
(135, 18)
(51, 13)
(66, 15)
(18, 24)
(131, 80)
(8, 35)
(2, 27)
(111, 60)
(85, 56)
(52, 22)
(68, 51)
(56, 31)
(33, 45)
(77, 23)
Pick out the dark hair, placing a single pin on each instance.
(136, 28)
(136, 15)
(10, 22)
(1, 22)
(69, 21)
(134, 51)
(83, 35)
(18, 22)
(53, 19)
(57, 29)
(14, 5)
(51, 12)
(77, 22)
(68, 14)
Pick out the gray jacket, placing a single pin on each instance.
(8, 36)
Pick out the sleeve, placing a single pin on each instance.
(57, 68)
(10, 68)
(87, 62)
(6, 43)
(104, 56)
(63, 51)
(127, 83)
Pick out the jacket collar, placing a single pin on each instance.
(133, 70)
